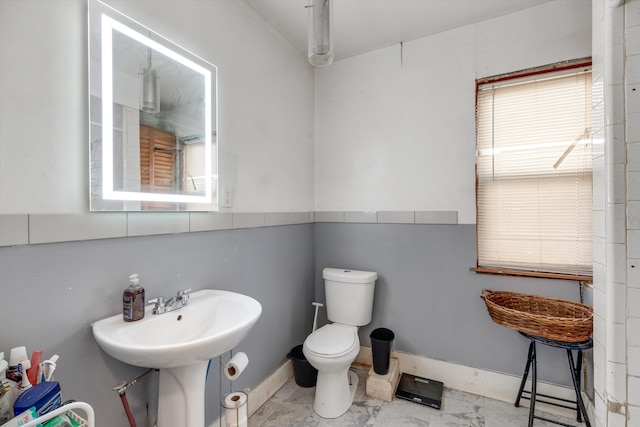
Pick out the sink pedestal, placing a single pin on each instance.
(181, 396)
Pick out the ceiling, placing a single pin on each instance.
(364, 25)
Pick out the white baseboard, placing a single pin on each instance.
(494, 385)
(259, 395)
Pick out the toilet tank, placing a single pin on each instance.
(349, 295)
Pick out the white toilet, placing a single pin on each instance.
(332, 348)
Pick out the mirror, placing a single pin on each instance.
(152, 119)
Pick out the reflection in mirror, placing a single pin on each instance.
(152, 111)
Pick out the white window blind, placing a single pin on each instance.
(534, 180)
(195, 170)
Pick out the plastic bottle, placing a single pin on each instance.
(46, 369)
(133, 300)
(17, 355)
(24, 384)
(7, 392)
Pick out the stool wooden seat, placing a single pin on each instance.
(575, 368)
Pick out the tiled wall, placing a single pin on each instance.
(632, 137)
(616, 209)
(24, 229)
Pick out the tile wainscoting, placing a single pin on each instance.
(29, 229)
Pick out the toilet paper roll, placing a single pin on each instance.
(235, 412)
(234, 367)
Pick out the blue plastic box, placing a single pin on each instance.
(45, 397)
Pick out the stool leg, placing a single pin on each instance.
(534, 382)
(579, 381)
(526, 374)
(576, 386)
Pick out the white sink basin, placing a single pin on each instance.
(180, 344)
(212, 323)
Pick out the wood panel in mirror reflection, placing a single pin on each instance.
(157, 163)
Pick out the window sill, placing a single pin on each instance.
(542, 275)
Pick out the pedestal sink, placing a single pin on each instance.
(180, 343)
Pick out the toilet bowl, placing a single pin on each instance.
(331, 350)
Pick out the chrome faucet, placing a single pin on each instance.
(173, 303)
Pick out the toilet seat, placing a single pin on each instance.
(333, 340)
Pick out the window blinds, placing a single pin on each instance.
(195, 171)
(534, 180)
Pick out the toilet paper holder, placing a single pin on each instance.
(236, 409)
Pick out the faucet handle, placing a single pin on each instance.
(157, 301)
(184, 293)
(159, 305)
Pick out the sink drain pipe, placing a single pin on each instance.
(121, 389)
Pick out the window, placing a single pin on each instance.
(194, 165)
(533, 173)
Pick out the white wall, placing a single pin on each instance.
(265, 102)
(395, 128)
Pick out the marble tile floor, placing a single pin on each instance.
(292, 406)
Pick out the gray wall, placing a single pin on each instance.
(427, 295)
(51, 293)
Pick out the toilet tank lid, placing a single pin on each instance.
(348, 276)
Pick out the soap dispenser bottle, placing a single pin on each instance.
(133, 300)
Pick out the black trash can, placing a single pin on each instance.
(305, 374)
(381, 341)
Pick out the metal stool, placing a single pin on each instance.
(574, 367)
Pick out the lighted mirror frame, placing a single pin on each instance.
(109, 25)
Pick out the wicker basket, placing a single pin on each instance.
(550, 318)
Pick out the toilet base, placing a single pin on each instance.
(334, 393)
